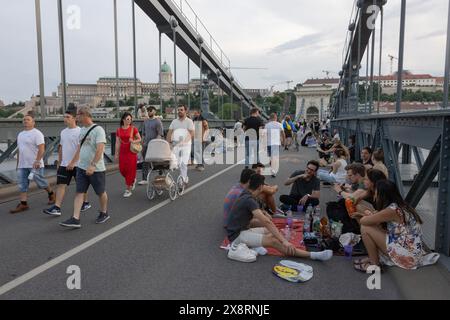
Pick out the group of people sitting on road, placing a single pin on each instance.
(390, 228)
(248, 213)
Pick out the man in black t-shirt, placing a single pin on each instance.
(254, 123)
(305, 190)
(246, 209)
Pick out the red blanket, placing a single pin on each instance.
(280, 223)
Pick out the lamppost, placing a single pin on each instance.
(218, 73)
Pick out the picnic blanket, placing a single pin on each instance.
(296, 236)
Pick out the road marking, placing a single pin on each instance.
(35, 272)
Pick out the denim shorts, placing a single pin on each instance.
(97, 181)
(23, 182)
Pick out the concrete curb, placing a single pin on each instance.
(11, 192)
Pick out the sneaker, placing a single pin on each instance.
(20, 207)
(127, 194)
(143, 182)
(51, 198)
(71, 223)
(134, 185)
(102, 217)
(85, 206)
(201, 168)
(53, 211)
(241, 253)
(186, 180)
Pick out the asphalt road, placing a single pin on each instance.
(169, 253)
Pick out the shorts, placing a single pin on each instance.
(97, 181)
(253, 238)
(64, 176)
(23, 182)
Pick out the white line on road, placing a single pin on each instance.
(35, 272)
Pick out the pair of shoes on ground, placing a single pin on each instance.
(55, 211)
(75, 223)
(242, 253)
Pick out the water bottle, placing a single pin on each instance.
(308, 216)
(288, 227)
(316, 221)
(287, 232)
(31, 175)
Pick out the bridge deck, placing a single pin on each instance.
(173, 252)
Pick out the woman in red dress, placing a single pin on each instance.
(126, 134)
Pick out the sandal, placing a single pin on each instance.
(364, 266)
(360, 261)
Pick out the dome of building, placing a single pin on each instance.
(165, 68)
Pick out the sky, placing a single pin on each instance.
(292, 39)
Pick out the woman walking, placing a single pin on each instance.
(126, 135)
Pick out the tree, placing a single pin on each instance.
(110, 104)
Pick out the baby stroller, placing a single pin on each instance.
(162, 166)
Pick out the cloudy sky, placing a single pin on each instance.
(294, 39)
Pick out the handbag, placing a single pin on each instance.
(135, 147)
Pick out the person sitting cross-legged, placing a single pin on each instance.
(242, 237)
(305, 189)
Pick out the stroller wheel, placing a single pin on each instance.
(159, 192)
(180, 185)
(173, 191)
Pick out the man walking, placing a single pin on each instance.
(181, 132)
(253, 123)
(275, 138)
(30, 166)
(67, 148)
(91, 168)
(153, 129)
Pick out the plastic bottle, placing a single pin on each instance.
(288, 228)
(308, 217)
(316, 221)
(31, 175)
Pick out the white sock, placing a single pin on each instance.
(322, 255)
(260, 251)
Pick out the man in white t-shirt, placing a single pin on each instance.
(67, 148)
(180, 134)
(30, 166)
(275, 138)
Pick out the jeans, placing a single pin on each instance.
(325, 176)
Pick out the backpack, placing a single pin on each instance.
(336, 211)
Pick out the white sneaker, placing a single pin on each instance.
(127, 194)
(134, 185)
(186, 180)
(143, 182)
(241, 253)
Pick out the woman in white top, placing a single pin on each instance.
(338, 174)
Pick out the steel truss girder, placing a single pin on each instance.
(420, 129)
(443, 208)
(8, 152)
(425, 176)
(52, 142)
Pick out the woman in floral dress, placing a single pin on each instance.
(393, 234)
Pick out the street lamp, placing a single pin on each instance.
(218, 73)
